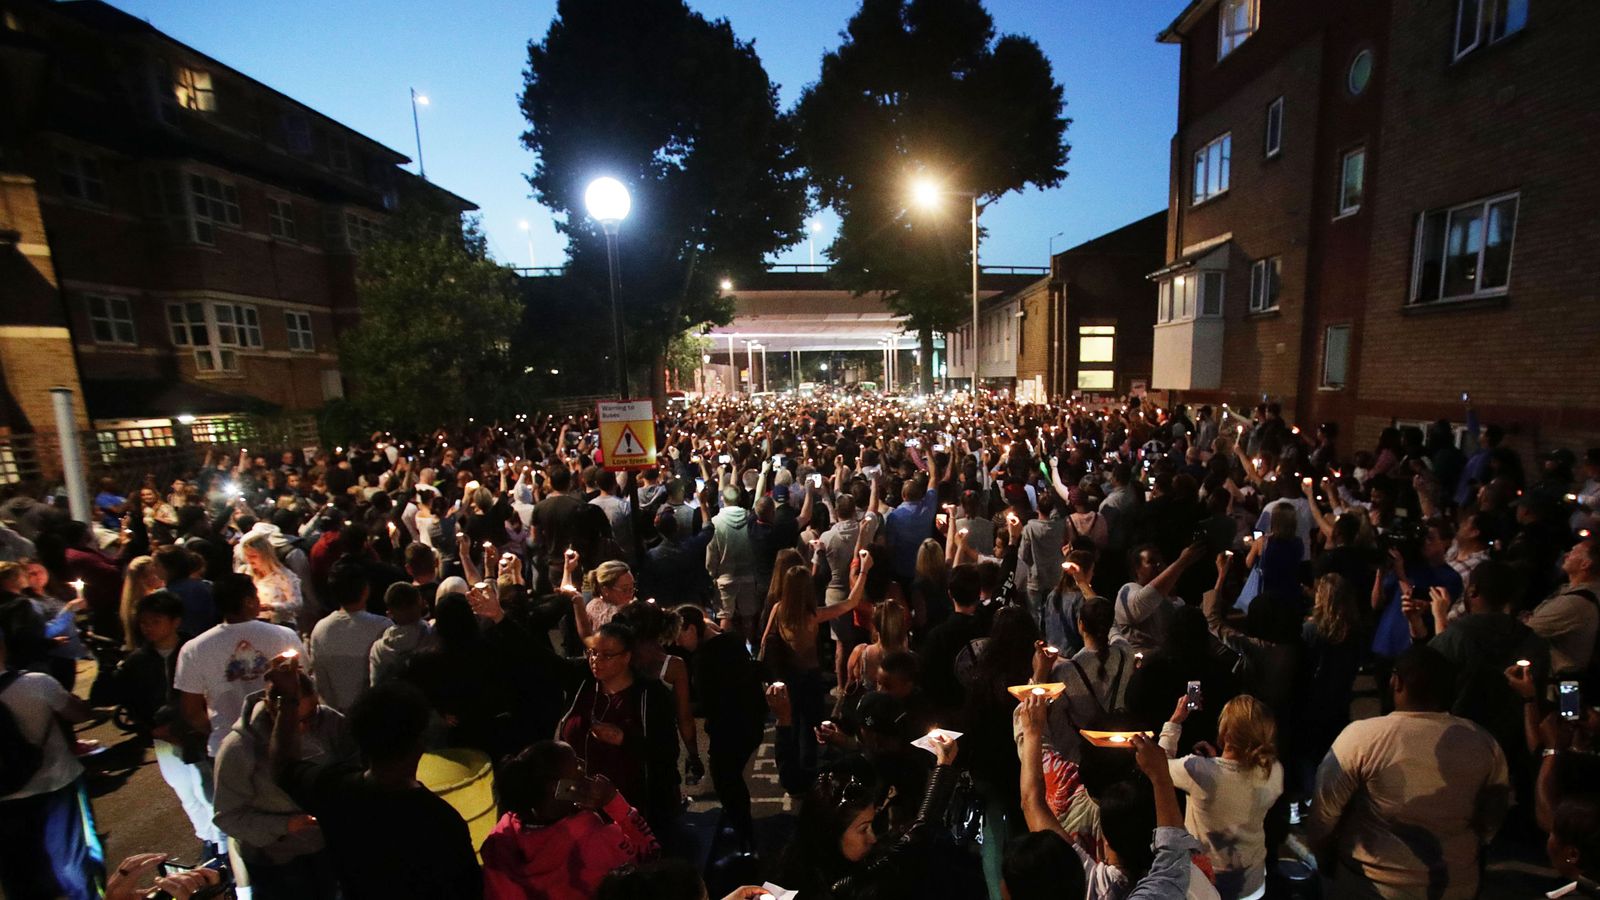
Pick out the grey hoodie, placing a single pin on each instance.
(728, 556)
(390, 652)
(250, 806)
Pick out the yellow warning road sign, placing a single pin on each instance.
(627, 434)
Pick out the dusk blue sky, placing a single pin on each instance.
(354, 60)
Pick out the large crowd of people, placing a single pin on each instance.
(1000, 650)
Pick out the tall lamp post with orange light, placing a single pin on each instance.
(927, 192)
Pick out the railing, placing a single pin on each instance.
(791, 269)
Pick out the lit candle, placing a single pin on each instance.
(1037, 692)
(77, 585)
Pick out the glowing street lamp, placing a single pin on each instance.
(926, 193)
(416, 101)
(608, 203)
(527, 232)
(813, 229)
(726, 284)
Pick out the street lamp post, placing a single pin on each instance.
(705, 375)
(527, 232)
(927, 194)
(608, 203)
(416, 128)
(811, 235)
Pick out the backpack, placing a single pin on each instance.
(20, 758)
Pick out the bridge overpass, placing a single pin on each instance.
(795, 307)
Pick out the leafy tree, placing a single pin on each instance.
(682, 112)
(436, 317)
(924, 86)
(685, 356)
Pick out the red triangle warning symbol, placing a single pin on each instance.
(627, 444)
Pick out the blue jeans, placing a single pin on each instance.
(45, 846)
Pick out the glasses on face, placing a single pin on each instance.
(603, 655)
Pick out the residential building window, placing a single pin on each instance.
(165, 202)
(1274, 128)
(359, 230)
(1187, 295)
(1096, 379)
(192, 87)
(280, 218)
(1236, 21)
(1482, 22)
(332, 384)
(1360, 74)
(1265, 277)
(297, 134)
(110, 319)
(1335, 356)
(299, 325)
(1464, 251)
(1097, 343)
(214, 331)
(1352, 181)
(80, 177)
(338, 153)
(1211, 168)
(237, 325)
(213, 203)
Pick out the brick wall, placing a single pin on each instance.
(35, 347)
(1516, 116)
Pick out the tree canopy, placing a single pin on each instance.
(682, 112)
(436, 316)
(924, 87)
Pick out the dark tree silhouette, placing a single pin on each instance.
(924, 86)
(682, 112)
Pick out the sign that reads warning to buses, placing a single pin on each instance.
(627, 434)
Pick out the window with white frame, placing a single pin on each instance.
(80, 177)
(1194, 293)
(1352, 180)
(192, 87)
(1483, 22)
(212, 203)
(1236, 21)
(1464, 251)
(110, 319)
(359, 230)
(1097, 343)
(237, 325)
(1274, 142)
(214, 331)
(280, 218)
(1211, 164)
(1335, 356)
(1265, 278)
(299, 327)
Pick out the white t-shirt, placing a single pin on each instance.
(34, 700)
(1228, 803)
(228, 663)
(340, 645)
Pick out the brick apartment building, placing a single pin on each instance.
(1377, 207)
(181, 236)
(1083, 328)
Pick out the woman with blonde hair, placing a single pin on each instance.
(1229, 792)
(1333, 643)
(930, 587)
(142, 578)
(277, 587)
(606, 590)
(890, 632)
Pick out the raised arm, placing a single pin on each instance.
(1035, 809)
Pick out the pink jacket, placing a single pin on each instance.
(566, 860)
